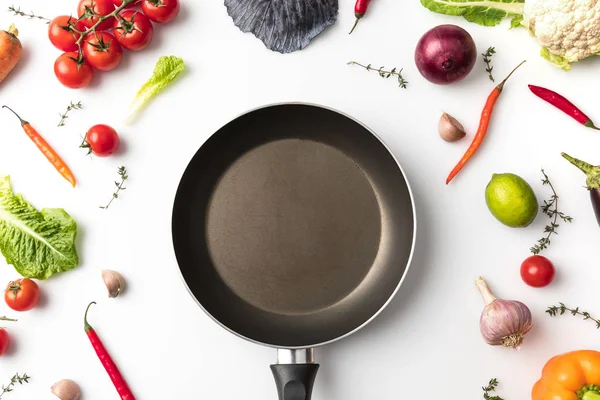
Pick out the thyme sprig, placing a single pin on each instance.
(30, 15)
(487, 59)
(385, 74)
(20, 379)
(70, 107)
(562, 309)
(5, 318)
(123, 175)
(491, 387)
(550, 208)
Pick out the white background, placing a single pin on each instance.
(427, 342)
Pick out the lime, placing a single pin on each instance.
(511, 200)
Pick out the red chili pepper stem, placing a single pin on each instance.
(500, 86)
(590, 124)
(358, 17)
(23, 122)
(86, 326)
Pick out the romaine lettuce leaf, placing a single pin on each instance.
(167, 68)
(482, 12)
(556, 60)
(38, 244)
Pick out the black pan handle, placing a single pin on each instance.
(294, 381)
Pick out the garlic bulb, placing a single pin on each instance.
(114, 281)
(450, 129)
(502, 322)
(66, 389)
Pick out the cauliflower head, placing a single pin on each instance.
(567, 28)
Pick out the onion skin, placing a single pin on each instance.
(445, 54)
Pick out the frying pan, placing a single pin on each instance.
(293, 226)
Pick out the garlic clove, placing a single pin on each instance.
(502, 322)
(450, 129)
(66, 389)
(114, 281)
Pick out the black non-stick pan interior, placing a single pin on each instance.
(293, 225)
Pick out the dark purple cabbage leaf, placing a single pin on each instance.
(283, 26)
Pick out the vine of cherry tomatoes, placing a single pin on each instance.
(103, 29)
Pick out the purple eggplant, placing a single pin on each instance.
(595, 196)
(592, 173)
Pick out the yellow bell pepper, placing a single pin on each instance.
(570, 376)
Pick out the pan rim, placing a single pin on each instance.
(408, 262)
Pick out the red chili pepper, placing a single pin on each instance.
(484, 123)
(360, 9)
(111, 368)
(563, 104)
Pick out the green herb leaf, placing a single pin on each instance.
(38, 244)
(559, 61)
(481, 12)
(487, 59)
(491, 387)
(561, 309)
(166, 70)
(20, 379)
(550, 208)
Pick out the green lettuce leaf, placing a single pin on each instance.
(555, 59)
(166, 70)
(38, 244)
(482, 12)
(517, 22)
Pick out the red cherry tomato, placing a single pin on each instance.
(4, 340)
(102, 51)
(61, 36)
(22, 294)
(102, 140)
(537, 271)
(133, 30)
(92, 10)
(118, 3)
(160, 11)
(72, 73)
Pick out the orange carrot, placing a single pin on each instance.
(484, 123)
(10, 51)
(46, 150)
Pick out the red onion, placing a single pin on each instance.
(445, 54)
